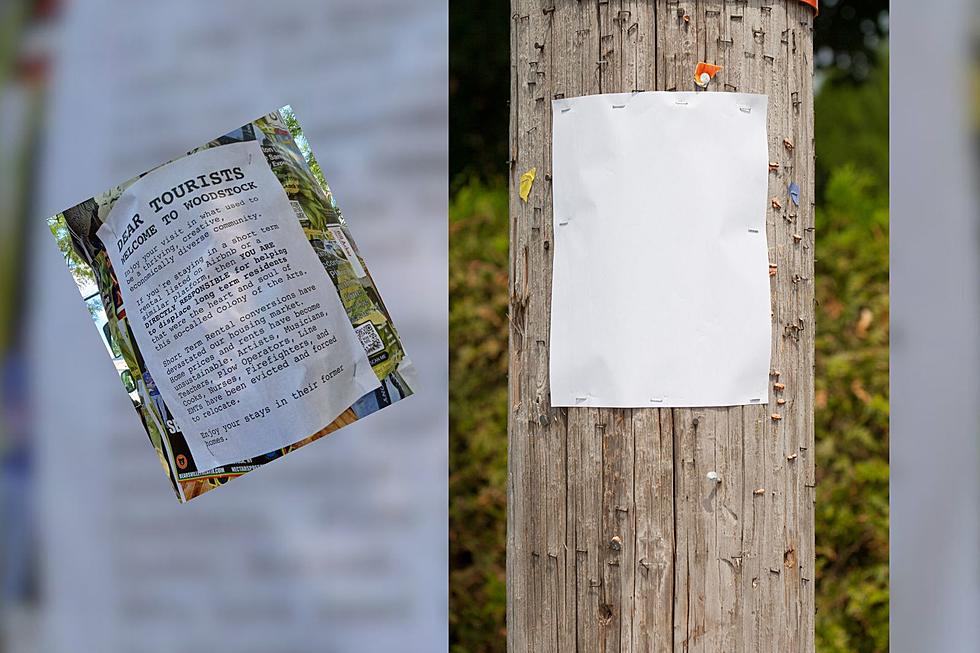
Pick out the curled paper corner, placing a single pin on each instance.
(527, 179)
(794, 193)
(704, 72)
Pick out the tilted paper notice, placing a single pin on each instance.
(242, 331)
(234, 302)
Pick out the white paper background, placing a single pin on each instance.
(661, 286)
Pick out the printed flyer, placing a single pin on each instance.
(239, 314)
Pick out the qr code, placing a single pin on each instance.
(370, 339)
(300, 213)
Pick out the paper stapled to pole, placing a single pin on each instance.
(661, 287)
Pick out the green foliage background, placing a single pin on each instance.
(851, 381)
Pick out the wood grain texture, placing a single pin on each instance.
(617, 540)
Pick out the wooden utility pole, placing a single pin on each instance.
(616, 538)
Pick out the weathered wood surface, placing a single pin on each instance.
(617, 541)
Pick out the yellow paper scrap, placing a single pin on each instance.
(526, 180)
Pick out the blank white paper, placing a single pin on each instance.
(660, 291)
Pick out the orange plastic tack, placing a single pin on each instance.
(812, 3)
(703, 69)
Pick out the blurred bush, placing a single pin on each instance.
(852, 364)
(851, 383)
(852, 414)
(478, 415)
(851, 126)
